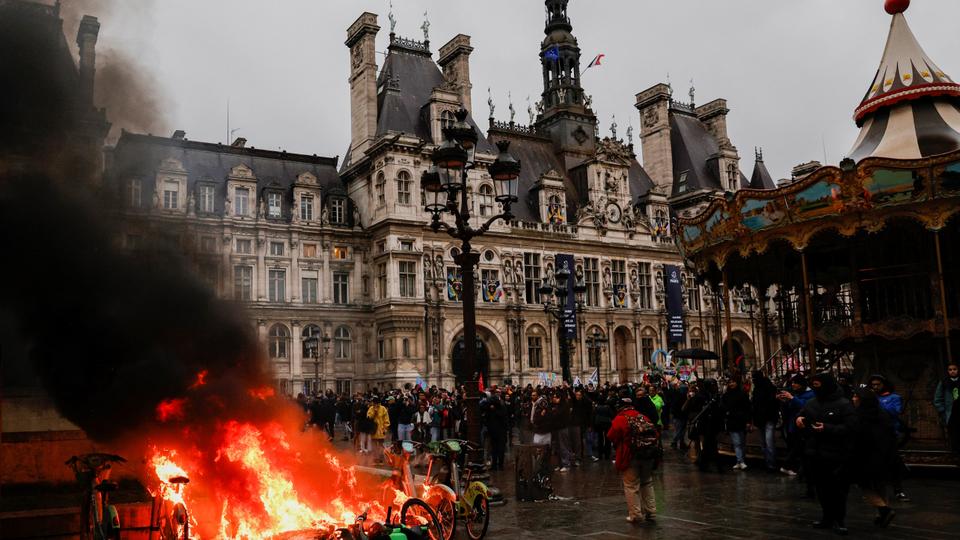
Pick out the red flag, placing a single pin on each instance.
(481, 383)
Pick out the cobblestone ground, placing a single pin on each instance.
(695, 505)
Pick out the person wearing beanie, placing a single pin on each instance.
(828, 423)
(792, 401)
(892, 404)
(636, 471)
(946, 400)
(875, 453)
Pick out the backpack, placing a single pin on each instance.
(643, 436)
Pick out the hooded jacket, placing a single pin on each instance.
(829, 406)
(876, 447)
(948, 391)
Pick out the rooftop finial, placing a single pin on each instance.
(630, 134)
(513, 112)
(393, 19)
(426, 27)
(490, 102)
(669, 84)
(693, 92)
(894, 7)
(759, 154)
(530, 113)
(613, 128)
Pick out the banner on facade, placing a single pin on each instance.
(454, 284)
(570, 310)
(492, 291)
(675, 327)
(620, 295)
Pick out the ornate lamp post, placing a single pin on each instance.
(313, 346)
(561, 310)
(446, 187)
(595, 343)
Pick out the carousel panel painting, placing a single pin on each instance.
(819, 200)
(759, 214)
(950, 180)
(886, 187)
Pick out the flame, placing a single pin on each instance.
(262, 393)
(171, 409)
(201, 380)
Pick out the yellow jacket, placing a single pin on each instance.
(378, 413)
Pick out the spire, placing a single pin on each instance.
(761, 178)
(557, 18)
(912, 108)
(560, 57)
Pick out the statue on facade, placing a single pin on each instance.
(490, 102)
(530, 111)
(588, 101)
(324, 216)
(630, 135)
(191, 204)
(513, 112)
(393, 19)
(357, 221)
(613, 128)
(262, 208)
(425, 27)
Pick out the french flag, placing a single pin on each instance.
(597, 61)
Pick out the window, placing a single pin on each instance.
(344, 387)
(696, 343)
(206, 199)
(340, 252)
(595, 352)
(382, 280)
(308, 289)
(404, 186)
(338, 211)
(531, 274)
(341, 286)
(645, 294)
(619, 269)
(535, 351)
(276, 249)
(447, 119)
(693, 294)
(490, 289)
(279, 335)
(381, 346)
(244, 246)
(274, 205)
(591, 276)
(406, 245)
(733, 177)
(341, 343)
(381, 186)
(486, 199)
(171, 195)
(555, 210)
(208, 244)
(381, 246)
(405, 346)
(310, 251)
(243, 283)
(682, 183)
(209, 275)
(135, 192)
(408, 279)
(306, 208)
(646, 349)
(276, 283)
(242, 201)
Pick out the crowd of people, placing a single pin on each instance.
(834, 433)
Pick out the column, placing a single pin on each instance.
(811, 344)
(636, 348)
(325, 276)
(943, 296)
(728, 322)
(261, 294)
(295, 284)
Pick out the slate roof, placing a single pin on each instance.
(761, 178)
(692, 146)
(141, 155)
(536, 157)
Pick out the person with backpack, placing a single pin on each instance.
(637, 441)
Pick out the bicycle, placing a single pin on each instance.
(417, 522)
(99, 520)
(173, 522)
(439, 497)
(472, 496)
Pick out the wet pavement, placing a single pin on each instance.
(732, 504)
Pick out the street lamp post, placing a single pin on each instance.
(313, 345)
(446, 187)
(561, 289)
(595, 343)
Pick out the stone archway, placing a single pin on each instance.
(490, 357)
(625, 352)
(744, 351)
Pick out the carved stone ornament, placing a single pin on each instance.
(580, 135)
(357, 56)
(650, 117)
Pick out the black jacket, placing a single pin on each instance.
(875, 447)
(836, 442)
(736, 409)
(764, 405)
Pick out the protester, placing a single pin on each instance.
(736, 410)
(496, 419)
(707, 423)
(765, 411)
(828, 422)
(892, 404)
(602, 420)
(875, 453)
(946, 399)
(635, 466)
(676, 399)
(381, 423)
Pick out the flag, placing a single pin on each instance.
(577, 382)
(552, 54)
(595, 378)
(482, 387)
(596, 61)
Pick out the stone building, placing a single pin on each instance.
(342, 250)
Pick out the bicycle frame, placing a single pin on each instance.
(93, 471)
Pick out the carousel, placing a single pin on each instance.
(859, 263)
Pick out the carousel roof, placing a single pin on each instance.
(910, 110)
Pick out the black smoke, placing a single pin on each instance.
(108, 333)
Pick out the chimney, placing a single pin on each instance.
(804, 169)
(87, 41)
(654, 107)
(455, 61)
(361, 40)
(239, 143)
(714, 116)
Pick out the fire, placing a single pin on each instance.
(262, 393)
(201, 379)
(171, 409)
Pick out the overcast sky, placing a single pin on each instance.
(792, 70)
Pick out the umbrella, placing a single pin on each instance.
(696, 354)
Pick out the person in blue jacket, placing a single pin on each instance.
(892, 404)
(792, 401)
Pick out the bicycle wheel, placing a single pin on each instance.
(446, 511)
(479, 518)
(416, 513)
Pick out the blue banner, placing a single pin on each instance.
(675, 327)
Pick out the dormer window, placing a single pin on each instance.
(241, 205)
(171, 195)
(404, 187)
(306, 208)
(338, 211)
(555, 212)
(732, 177)
(205, 194)
(682, 182)
(486, 200)
(274, 204)
(135, 192)
(447, 119)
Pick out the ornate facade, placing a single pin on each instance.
(343, 250)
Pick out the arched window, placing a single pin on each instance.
(279, 336)
(341, 343)
(311, 330)
(447, 119)
(404, 187)
(380, 187)
(406, 347)
(486, 199)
